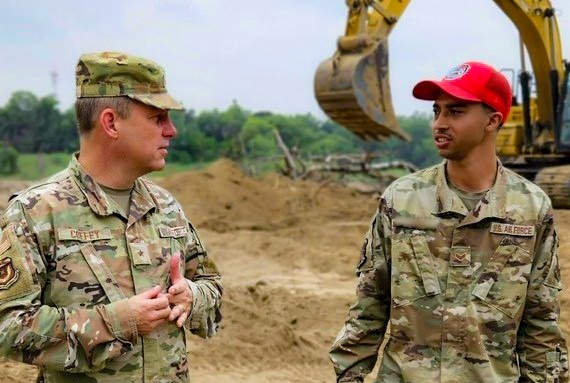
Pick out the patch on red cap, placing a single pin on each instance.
(457, 72)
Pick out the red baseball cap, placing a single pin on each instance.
(471, 81)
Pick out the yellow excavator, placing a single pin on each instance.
(352, 87)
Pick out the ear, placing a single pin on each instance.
(108, 120)
(494, 122)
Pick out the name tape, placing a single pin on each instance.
(176, 232)
(65, 233)
(518, 230)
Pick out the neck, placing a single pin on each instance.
(105, 168)
(472, 176)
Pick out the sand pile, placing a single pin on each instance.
(222, 198)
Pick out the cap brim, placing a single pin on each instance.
(158, 100)
(430, 90)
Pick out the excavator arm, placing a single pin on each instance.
(538, 29)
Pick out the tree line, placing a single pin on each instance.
(32, 124)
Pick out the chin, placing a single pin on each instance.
(156, 166)
(159, 166)
(452, 156)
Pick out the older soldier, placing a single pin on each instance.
(100, 270)
(460, 259)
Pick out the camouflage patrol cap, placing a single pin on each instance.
(113, 74)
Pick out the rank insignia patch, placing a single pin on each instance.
(8, 275)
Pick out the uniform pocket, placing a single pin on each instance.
(503, 283)
(413, 270)
(81, 278)
(552, 366)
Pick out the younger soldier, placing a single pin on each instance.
(461, 259)
(99, 268)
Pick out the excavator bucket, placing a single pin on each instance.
(353, 89)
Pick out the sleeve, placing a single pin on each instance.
(205, 282)
(55, 337)
(355, 350)
(542, 351)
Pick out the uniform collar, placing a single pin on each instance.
(492, 204)
(141, 199)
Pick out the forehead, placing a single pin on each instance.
(447, 100)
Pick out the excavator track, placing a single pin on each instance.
(555, 181)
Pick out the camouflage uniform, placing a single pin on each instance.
(70, 258)
(69, 262)
(469, 296)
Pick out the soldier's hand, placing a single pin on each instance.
(179, 294)
(151, 309)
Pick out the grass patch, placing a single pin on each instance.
(38, 166)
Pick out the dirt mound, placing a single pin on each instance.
(287, 251)
(223, 198)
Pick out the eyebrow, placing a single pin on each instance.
(154, 113)
(451, 105)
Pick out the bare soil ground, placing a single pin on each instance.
(287, 251)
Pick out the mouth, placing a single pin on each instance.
(442, 140)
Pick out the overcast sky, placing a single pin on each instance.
(262, 53)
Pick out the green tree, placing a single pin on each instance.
(257, 137)
(8, 159)
(33, 124)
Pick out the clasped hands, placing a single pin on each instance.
(153, 308)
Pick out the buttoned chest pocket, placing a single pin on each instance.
(414, 273)
(504, 280)
(174, 239)
(81, 278)
(155, 250)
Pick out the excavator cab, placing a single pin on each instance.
(352, 87)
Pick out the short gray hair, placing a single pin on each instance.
(88, 109)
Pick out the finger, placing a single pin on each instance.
(152, 293)
(175, 275)
(175, 312)
(177, 288)
(182, 319)
(159, 303)
(163, 314)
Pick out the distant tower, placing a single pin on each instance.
(54, 76)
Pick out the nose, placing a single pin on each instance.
(168, 129)
(439, 122)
